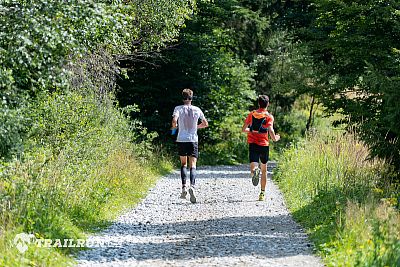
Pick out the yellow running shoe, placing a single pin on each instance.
(261, 197)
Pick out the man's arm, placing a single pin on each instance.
(203, 124)
(275, 137)
(246, 124)
(174, 123)
(245, 127)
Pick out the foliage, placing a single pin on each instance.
(334, 192)
(228, 52)
(355, 49)
(231, 146)
(244, 34)
(68, 153)
(47, 46)
(368, 236)
(63, 137)
(49, 32)
(83, 158)
(36, 39)
(203, 61)
(13, 123)
(158, 22)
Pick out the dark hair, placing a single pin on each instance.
(263, 101)
(187, 94)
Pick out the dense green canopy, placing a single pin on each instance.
(343, 53)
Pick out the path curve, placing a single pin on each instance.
(227, 227)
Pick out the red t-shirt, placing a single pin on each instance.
(260, 139)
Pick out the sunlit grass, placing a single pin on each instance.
(336, 193)
(58, 208)
(85, 172)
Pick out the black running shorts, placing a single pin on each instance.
(257, 153)
(188, 149)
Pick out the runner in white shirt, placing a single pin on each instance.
(185, 119)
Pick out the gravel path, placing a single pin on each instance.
(226, 227)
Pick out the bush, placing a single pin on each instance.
(12, 127)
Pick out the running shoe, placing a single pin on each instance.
(192, 196)
(261, 197)
(184, 193)
(256, 176)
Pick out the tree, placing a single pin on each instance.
(50, 46)
(203, 60)
(355, 45)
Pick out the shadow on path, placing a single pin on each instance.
(266, 237)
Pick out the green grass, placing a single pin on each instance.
(80, 214)
(343, 200)
(82, 165)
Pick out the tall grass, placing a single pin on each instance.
(343, 199)
(82, 164)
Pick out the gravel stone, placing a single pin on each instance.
(227, 226)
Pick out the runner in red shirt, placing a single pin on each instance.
(258, 124)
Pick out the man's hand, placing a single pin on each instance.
(203, 124)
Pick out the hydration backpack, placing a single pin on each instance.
(259, 122)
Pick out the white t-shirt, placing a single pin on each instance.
(188, 118)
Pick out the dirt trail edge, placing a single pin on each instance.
(228, 226)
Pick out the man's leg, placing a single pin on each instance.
(264, 157)
(183, 169)
(253, 167)
(263, 176)
(192, 161)
(255, 173)
(254, 157)
(183, 175)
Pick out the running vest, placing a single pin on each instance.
(259, 122)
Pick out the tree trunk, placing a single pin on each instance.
(310, 116)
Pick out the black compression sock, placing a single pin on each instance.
(192, 176)
(183, 175)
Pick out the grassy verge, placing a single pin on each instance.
(83, 164)
(346, 202)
